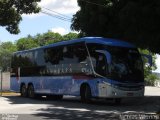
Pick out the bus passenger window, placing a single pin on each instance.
(53, 55)
(101, 65)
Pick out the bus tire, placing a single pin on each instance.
(23, 90)
(86, 94)
(30, 91)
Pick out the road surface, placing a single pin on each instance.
(70, 108)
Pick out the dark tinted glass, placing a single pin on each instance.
(23, 59)
(98, 59)
(126, 63)
(70, 54)
(70, 58)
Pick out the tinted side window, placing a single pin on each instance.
(14, 61)
(25, 59)
(72, 57)
(39, 57)
(70, 54)
(80, 52)
(53, 56)
(98, 59)
(94, 55)
(75, 53)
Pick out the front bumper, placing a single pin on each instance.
(108, 91)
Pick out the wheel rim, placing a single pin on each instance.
(31, 91)
(23, 91)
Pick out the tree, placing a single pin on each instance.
(11, 11)
(47, 38)
(6, 50)
(70, 36)
(26, 43)
(5, 58)
(149, 77)
(9, 46)
(42, 39)
(135, 21)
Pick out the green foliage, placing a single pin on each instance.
(5, 57)
(149, 77)
(48, 38)
(9, 46)
(11, 11)
(6, 50)
(70, 36)
(136, 21)
(43, 39)
(26, 43)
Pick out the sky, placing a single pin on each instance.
(40, 23)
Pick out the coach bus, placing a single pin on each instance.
(89, 67)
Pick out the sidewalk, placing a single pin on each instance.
(152, 91)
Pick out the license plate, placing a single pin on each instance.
(129, 94)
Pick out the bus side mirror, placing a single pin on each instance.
(148, 58)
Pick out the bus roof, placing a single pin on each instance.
(99, 40)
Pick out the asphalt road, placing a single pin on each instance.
(71, 108)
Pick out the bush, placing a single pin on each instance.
(150, 79)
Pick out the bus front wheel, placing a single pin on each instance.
(23, 91)
(86, 94)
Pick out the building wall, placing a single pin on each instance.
(5, 81)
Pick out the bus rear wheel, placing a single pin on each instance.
(23, 91)
(30, 91)
(86, 94)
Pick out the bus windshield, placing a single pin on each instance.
(125, 64)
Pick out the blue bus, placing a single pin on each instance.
(89, 67)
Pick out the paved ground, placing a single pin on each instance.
(70, 108)
(152, 91)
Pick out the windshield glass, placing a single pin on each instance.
(126, 63)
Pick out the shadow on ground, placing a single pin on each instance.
(70, 108)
